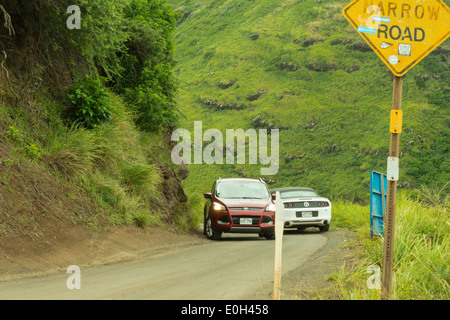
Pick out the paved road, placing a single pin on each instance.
(231, 268)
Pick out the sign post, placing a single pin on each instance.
(279, 227)
(401, 33)
(392, 177)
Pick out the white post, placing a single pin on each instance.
(279, 227)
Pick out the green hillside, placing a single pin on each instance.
(93, 115)
(300, 67)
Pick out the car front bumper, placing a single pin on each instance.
(230, 222)
(234, 229)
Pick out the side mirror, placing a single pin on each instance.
(274, 197)
(207, 195)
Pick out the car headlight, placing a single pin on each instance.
(218, 207)
(267, 221)
(270, 208)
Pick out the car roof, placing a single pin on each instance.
(292, 189)
(239, 179)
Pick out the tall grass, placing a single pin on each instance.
(350, 215)
(113, 162)
(195, 204)
(73, 152)
(141, 178)
(421, 267)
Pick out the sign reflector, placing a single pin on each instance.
(396, 121)
(392, 168)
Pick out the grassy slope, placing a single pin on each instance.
(214, 45)
(115, 165)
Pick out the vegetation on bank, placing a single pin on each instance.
(122, 46)
(421, 248)
(92, 105)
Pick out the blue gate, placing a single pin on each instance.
(378, 197)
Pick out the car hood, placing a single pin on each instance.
(260, 203)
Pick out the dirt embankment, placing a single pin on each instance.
(46, 224)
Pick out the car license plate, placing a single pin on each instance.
(246, 221)
(307, 214)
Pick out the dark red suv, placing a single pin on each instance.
(239, 205)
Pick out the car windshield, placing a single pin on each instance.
(298, 194)
(242, 190)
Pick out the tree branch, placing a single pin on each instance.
(8, 25)
(7, 75)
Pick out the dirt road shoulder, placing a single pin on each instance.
(23, 257)
(309, 282)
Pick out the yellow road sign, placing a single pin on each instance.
(401, 32)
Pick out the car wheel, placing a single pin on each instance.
(270, 236)
(204, 219)
(210, 232)
(324, 228)
(204, 226)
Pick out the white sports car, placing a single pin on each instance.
(304, 208)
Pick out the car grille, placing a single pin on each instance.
(245, 209)
(237, 219)
(311, 204)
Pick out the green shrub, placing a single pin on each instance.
(24, 147)
(146, 80)
(88, 102)
(153, 101)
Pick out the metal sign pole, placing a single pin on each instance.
(392, 176)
